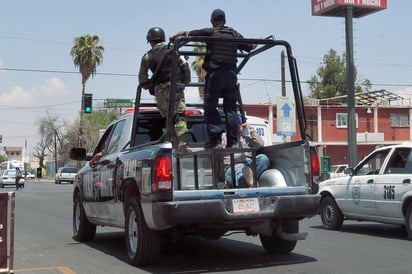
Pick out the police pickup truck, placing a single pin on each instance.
(141, 184)
(378, 189)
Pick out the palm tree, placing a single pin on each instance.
(87, 55)
(197, 66)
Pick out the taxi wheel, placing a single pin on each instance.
(408, 221)
(330, 214)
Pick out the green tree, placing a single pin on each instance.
(330, 79)
(93, 123)
(2, 158)
(87, 55)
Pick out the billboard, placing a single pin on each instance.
(337, 8)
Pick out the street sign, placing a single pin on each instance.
(118, 103)
(286, 125)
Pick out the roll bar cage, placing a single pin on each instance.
(184, 46)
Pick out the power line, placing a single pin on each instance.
(66, 72)
(135, 75)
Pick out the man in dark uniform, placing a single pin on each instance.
(160, 83)
(221, 79)
(18, 177)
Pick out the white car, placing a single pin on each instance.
(8, 177)
(65, 174)
(338, 171)
(29, 176)
(378, 189)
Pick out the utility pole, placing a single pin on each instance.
(350, 84)
(349, 10)
(282, 63)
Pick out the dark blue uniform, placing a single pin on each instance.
(221, 82)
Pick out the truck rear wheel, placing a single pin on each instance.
(142, 243)
(83, 230)
(274, 244)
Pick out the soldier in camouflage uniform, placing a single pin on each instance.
(159, 85)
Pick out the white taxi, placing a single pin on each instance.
(378, 189)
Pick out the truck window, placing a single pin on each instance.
(114, 143)
(103, 140)
(149, 129)
(197, 133)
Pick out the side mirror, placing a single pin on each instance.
(78, 154)
(349, 171)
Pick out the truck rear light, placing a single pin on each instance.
(193, 112)
(129, 110)
(162, 179)
(315, 164)
(315, 170)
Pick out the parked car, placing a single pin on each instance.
(29, 176)
(378, 189)
(338, 171)
(8, 177)
(65, 174)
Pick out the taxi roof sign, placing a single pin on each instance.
(337, 8)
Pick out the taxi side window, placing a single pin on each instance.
(399, 162)
(372, 165)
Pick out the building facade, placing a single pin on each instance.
(379, 122)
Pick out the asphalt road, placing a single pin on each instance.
(44, 244)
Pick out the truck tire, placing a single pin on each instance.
(330, 214)
(83, 230)
(408, 221)
(142, 243)
(276, 245)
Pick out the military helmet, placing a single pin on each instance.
(155, 34)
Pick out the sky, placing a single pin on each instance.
(38, 77)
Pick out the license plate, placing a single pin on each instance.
(245, 205)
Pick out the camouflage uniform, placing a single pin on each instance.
(162, 100)
(162, 86)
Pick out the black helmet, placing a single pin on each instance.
(155, 34)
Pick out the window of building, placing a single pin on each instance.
(342, 120)
(399, 120)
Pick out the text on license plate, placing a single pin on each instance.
(245, 205)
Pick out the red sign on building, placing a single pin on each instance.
(337, 8)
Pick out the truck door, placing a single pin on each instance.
(104, 179)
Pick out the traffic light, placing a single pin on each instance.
(88, 98)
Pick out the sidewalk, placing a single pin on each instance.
(41, 180)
